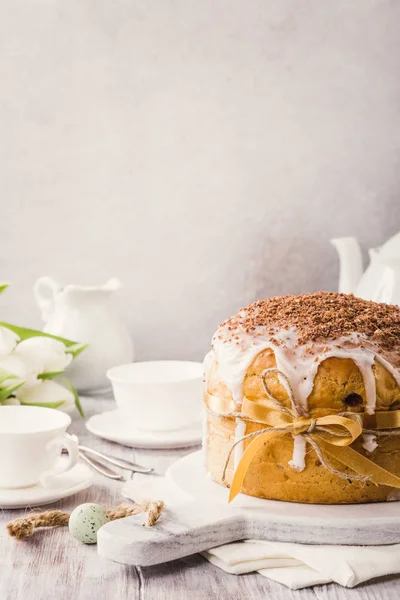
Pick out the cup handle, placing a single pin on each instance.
(70, 443)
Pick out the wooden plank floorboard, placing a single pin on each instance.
(54, 566)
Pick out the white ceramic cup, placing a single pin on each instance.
(31, 441)
(159, 395)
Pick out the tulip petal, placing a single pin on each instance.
(47, 393)
(51, 354)
(8, 341)
(11, 402)
(21, 367)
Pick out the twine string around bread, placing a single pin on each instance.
(313, 427)
(330, 435)
(24, 527)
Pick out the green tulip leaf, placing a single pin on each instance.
(49, 375)
(8, 384)
(3, 286)
(44, 404)
(5, 376)
(74, 348)
(8, 391)
(68, 385)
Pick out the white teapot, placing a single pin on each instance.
(84, 314)
(381, 280)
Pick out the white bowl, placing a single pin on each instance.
(159, 395)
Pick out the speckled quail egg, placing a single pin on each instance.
(86, 520)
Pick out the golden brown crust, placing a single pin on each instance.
(338, 381)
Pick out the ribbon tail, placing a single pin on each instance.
(248, 456)
(359, 464)
(382, 420)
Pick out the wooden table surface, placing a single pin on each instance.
(53, 566)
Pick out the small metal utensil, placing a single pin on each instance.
(113, 460)
(101, 468)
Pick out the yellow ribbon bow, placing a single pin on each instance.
(330, 435)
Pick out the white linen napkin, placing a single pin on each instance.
(294, 565)
(303, 565)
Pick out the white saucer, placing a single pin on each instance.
(114, 427)
(77, 479)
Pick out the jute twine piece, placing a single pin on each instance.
(25, 527)
(272, 401)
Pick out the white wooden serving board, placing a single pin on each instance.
(207, 521)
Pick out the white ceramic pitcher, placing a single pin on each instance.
(84, 314)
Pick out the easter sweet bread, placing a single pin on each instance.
(286, 363)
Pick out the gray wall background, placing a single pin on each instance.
(204, 151)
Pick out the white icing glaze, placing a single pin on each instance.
(234, 351)
(369, 442)
(209, 360)
(364, 361)
(298, 462)
(389, 367)
(240, 431)
(204, 444)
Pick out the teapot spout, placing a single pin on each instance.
(351, 265)
(112, 285)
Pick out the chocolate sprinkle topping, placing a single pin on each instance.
(321, 316)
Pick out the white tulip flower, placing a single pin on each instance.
(8, 341)
(23, 367)
(10, 402)
(50, 353)
(47, 393)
